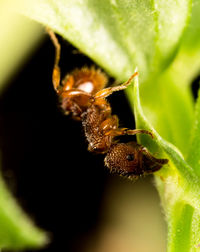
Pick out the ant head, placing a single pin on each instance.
(132, 160)
(123, 159)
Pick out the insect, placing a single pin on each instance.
(82, 94)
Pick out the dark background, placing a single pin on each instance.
(44, 153)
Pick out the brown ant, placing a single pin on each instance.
(83, 95)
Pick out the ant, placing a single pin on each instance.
(83, 95)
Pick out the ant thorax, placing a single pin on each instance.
(93, 121)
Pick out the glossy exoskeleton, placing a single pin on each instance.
(82, 94)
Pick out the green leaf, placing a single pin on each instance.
(118, 34)
(171, 92)
(167, 100)
(186, 65)
(180, 229)
(170, 109)
(194, 150)
(16, 230)
(178, 186)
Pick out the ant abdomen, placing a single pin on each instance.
(87, 79)
(78, 87)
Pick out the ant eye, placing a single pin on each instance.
(130, 157)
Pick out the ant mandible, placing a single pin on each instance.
(83, 95)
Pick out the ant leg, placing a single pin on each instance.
(56, 68)
(108, 91)
(110, 123)
(151, 157)
(125, 131)
(72, 93)
(74, 101)
(67, 82)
